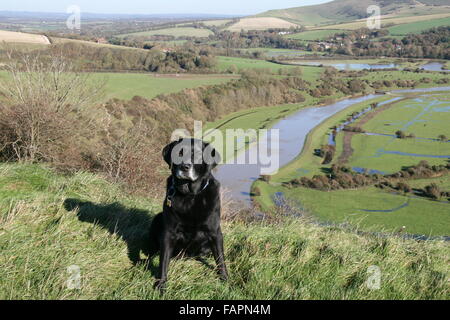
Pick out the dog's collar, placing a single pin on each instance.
(172, 191)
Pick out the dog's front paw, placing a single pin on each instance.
(160, 285)
(223, 275)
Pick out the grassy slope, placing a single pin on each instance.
(346, 205)
(347, 10)
(291, 259)
(389, 20)
(418, 27)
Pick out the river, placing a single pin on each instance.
(237, 179)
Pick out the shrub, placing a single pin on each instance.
(404, 187)
(432, 191)
(400, 134)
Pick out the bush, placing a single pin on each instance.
(43, 115)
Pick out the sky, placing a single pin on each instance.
(228, 7)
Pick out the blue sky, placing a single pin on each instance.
(238, 7)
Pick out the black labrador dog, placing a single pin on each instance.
(190, 222)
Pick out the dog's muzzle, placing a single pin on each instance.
(186, 172)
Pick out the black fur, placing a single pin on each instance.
(190, 222)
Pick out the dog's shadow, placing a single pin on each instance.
(130, 224)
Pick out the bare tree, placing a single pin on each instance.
(42, 106)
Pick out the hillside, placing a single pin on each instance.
(51, 224)
(347, 10)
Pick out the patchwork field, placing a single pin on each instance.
(175, 32)
(260, 24)
(427, 117)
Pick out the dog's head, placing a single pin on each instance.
(190, 159)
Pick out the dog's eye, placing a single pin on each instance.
(181, 153)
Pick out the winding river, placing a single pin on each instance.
(237, 179)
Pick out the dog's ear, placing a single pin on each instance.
(211, 156)
(167, 152)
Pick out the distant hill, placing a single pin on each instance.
(106, 16)
(348, 10)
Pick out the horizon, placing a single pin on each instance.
(142, 7)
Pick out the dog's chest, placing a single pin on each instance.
(188, 206)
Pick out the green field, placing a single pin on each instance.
(399, 20)
(224, 63)
(313, 35)
(216, 23)
(50, 222)
(418, 27)
(175, 32)
(422, 116)
(275, 52)
(426, 117)
(127, 85)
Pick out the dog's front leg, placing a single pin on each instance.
(216, 242)
(164, 259)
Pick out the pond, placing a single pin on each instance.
(351, 66)
(434, 66)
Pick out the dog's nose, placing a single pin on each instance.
(185, 166)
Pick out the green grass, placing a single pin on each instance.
(176, 32)
(313, 35)
(425, 118)
(286, 259)
(418, 27)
